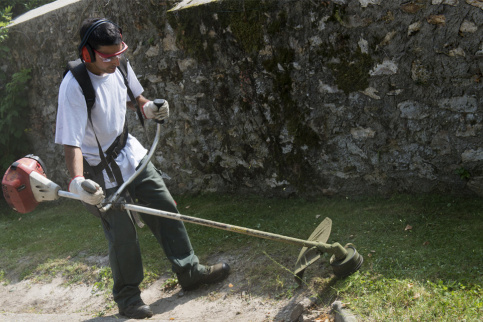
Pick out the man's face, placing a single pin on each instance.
(100, 66)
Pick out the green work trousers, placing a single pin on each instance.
(147, 189)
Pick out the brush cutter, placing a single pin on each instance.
(25, 185)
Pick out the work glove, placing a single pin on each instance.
(151, 111)
(75, 186)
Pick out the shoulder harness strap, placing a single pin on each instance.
(79, 70)
(123, 69)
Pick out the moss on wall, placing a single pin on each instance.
(349, 65)
(247, 24)
(189, 37)
(244, 18)
(286, 110)
(352, 72)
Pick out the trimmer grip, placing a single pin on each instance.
(88, 186)
(159, 102)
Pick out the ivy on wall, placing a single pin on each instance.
(14, 109)
(13, 123)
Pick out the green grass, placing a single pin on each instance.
(423, 257)
(431, 272)
(55, 231)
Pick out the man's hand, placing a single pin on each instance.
(151, 111)
(75, 186)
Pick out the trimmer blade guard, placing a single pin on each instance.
(307, 255)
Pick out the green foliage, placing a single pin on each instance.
(5, 17)
(105, 281)
(21, 6)
(13, 120)
(13, 89)
(170, 283)
(2, 276)
(32, 4)
(463, 173)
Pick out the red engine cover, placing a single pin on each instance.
(16, 184)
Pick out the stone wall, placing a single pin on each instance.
(288, 97)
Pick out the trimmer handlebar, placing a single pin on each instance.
(88, 186)
(159, 102)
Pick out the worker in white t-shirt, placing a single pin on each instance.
(84, 132)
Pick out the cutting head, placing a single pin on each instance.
(348, 265)
(307, 255)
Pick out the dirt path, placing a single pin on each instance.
(54, 301)
(25, 301)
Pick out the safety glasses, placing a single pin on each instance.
(110, 57)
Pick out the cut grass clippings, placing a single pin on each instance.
(423, 259)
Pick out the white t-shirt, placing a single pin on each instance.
(108, 115)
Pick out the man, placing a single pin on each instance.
(83, 135)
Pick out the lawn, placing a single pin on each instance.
(423, 258)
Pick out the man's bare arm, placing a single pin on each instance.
(75, 165)
(73, 160)
(141, 101)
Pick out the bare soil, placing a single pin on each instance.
(226, 301)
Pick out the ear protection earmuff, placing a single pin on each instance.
(86, 52)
